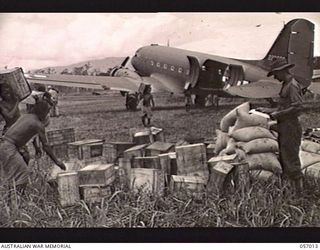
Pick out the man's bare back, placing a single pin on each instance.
(26, 127)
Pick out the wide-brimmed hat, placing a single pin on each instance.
(279, 65)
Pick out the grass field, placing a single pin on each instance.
(264, 205)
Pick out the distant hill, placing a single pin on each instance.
(99, 65)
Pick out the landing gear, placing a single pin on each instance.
(131, 102)
(200, 101)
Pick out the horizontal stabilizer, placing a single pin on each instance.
(259, 89)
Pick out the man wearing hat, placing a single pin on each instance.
(289, 128)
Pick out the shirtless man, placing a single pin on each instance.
(13, 169)
(9, 109)
(147, 105)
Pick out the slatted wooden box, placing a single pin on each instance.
(187, 185)
(114, 150)
(147, 180)
(158, 147)
(219, 174)
(135, 151)
(16, 80)
(192, 160)
(58, 140)
(88, 151)
(68, 188)
(60, 136)
(93, 194)
(97, 174)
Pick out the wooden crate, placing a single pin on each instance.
(135, 151)
(241, 177)
(146, 135)
(124, 173)
(146, 162)
(158, 134)
(71, 166)
(168, 163)
(114, 150)
(97, 174)
(219, 174)
(158, 147)
(210, 150)
(92, 194)
(60, 136)
(187, 185)
(86, 149)
(60, 151)
(147, 180)
(68, 188)
(16, 81)
(192, 159)
(141, 136)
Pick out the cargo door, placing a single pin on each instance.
(194, 72)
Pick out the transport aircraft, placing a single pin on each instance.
(174, 70)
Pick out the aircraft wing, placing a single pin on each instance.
(91, 82)
(103, 82)
(258, 89)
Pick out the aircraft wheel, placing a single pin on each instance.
(200, 101)
(131, 102)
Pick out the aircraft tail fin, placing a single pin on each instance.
(295, 43)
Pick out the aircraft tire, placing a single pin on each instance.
(200, 101)
(131, 102)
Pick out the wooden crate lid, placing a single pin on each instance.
(155, 130)
(188, 179)
(223, 158)
(137, 147)
(173, 155)
(222, 167)
(96, 166)
(190, 146)
(63, 174)
(161, 146)
(120, 143)
(88, 141)
(146, 158)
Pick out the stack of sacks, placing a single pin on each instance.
(248, 135)
(310, 158)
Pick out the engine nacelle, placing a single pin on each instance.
(124, 72)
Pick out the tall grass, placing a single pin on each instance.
(263, 205)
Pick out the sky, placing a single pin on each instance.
(38, 40)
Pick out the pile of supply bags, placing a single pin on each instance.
(249, 136)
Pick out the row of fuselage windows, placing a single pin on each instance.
(165, 66)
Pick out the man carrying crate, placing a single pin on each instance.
(13, 169)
